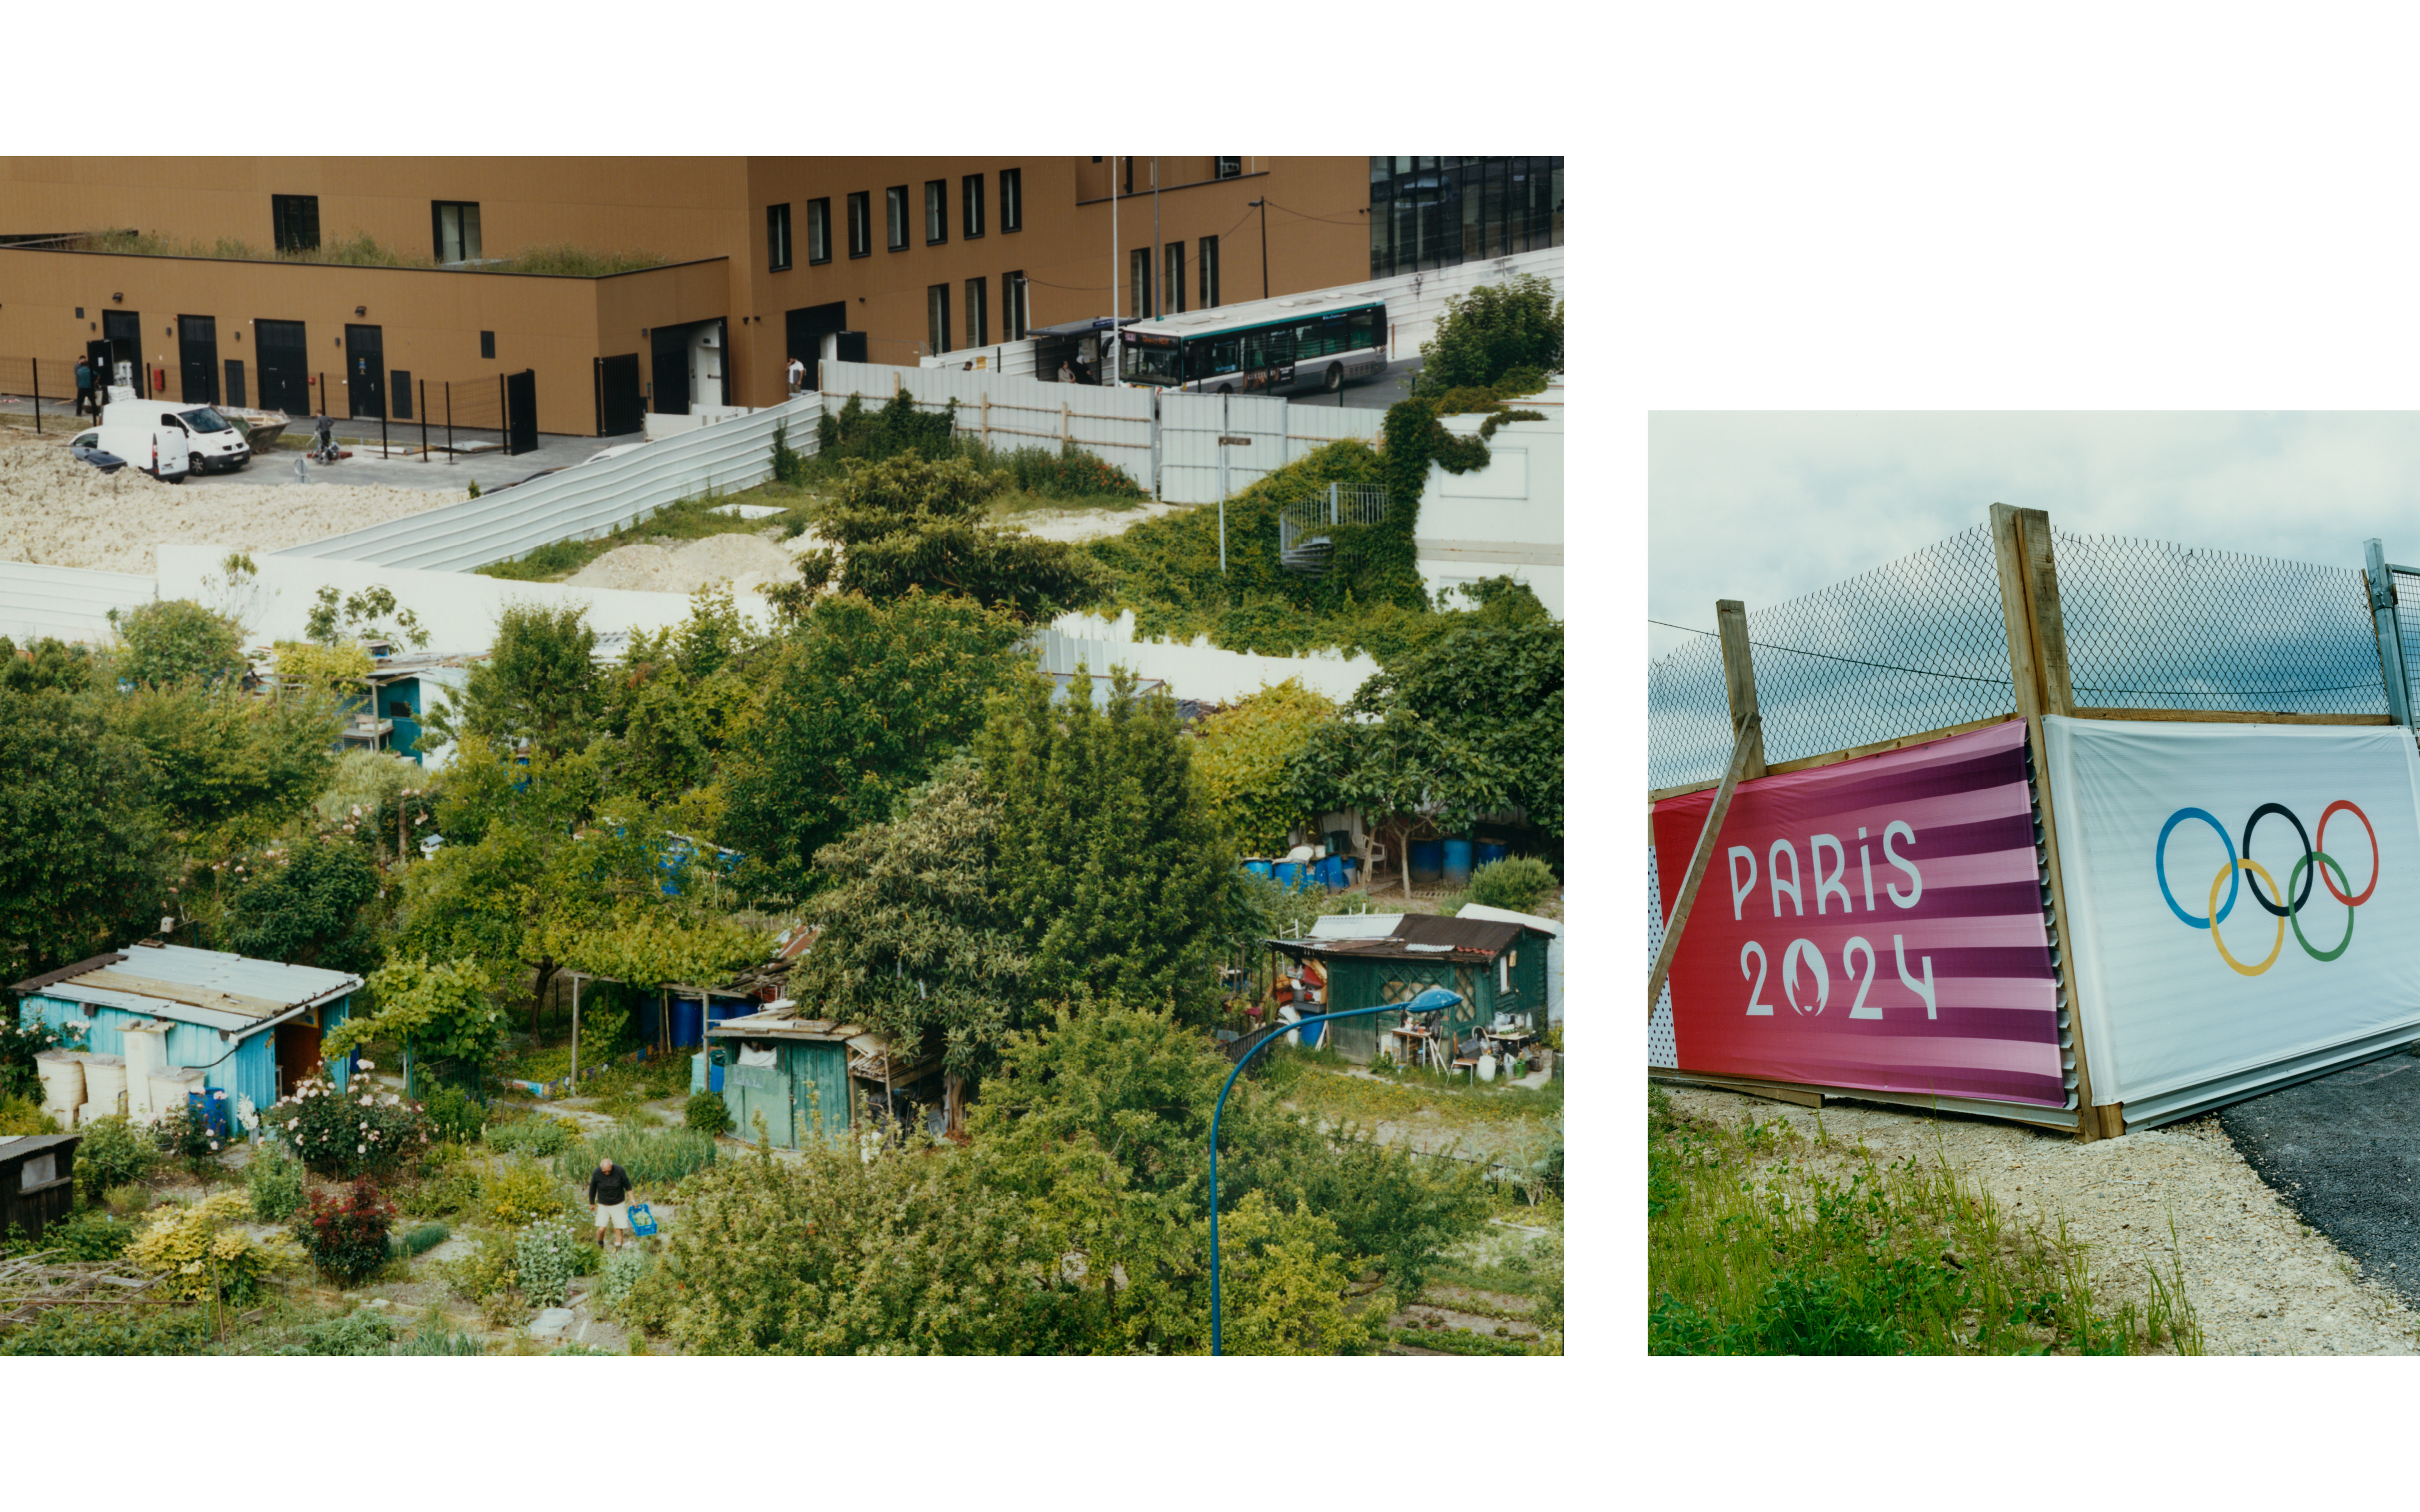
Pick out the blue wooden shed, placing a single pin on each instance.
(252, 1026)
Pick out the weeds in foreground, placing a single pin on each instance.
(1763, 1242)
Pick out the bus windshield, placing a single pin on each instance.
(1152, 364)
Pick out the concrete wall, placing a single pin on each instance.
(1198, 670)
(1505, 520)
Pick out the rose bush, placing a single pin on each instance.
(346, 1236)
(343, 1132)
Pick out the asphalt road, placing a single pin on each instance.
(2344, 1151)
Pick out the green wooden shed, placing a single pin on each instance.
(791, 1071)
(1496, 967)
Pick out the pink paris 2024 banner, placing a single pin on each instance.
(1874, 924)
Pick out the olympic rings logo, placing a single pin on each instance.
(2241, 874)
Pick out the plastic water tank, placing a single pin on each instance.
(1457, 862)
(688, 1022)
(1428, 859)
(105, 1083)
(1492, 850)
(62, 1076)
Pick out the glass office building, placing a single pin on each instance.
(1433, 212)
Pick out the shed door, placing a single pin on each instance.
(752, 1090)
(298, 1054)
(819, 1090)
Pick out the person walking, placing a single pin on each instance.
(798, 376)
(84, 386)
(609, 1188)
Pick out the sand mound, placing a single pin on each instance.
(744, 561)
(62, 513)
(1073, 524)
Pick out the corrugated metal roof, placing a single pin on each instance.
(1485, 935)
(220, 990)
(1355, 926)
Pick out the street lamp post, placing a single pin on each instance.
(1427, 1002)
(1263, 206)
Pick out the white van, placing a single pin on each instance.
(215, 444)
(163, 451)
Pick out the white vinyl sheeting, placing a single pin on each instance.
(71, 603)
(2170, 1005)
(580, 502)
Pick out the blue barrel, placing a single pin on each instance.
(1310, 1035)
(713, 1078)
(1330, 872)
(1457, 862)
(1258, 866)
(688, 1022)
(1289, 873)
(1493, 850)
(1428, 858)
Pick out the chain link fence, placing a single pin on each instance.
(1919, 645)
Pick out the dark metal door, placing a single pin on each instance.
(619, 408)
(804, 332)
(520, 412)
(198, 357)
(671, 369)
(365, 372)
(284, 366)
(235, 384)
(123, 330)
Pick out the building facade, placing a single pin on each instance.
(663, 284)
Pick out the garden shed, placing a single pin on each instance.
(252, 1029)
(793, 1072)
(1498, 967)
(36, 1182)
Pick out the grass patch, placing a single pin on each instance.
(1763, 1242)
(1457, 1341)
(1336, 1093)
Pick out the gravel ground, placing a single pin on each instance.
(59, 512)
(2261, 1280)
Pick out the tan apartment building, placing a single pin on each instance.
(734, 267)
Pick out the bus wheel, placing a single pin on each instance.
(1226, 387)
(1335, 377)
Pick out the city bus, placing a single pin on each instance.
(1301, 342)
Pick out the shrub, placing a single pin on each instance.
(363, 1331)
(185, 1134)
(1071, 470)
(346, 1236)
(1515, 882)
(789, 467)
(110, 1331)
(708, 1114)
(547, 1257)
(94, 1236)
(523, 1192)
(23, 1116)
(441, 1193)
(623, 1268)
(197, 1250)
(420, 1240)
(346, 1133)
(174, 640)
(1494, 331)
(128, 1200)
(274, 1180)
(113, 1154)
(488, 1270)
(535, 1135)
(454, 1114)
(434, 1337)
(654, 1157)
(1243, 756)
(19, 1044)
(1286, 1279)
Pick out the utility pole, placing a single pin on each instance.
(1108, 343)
(1263, 206)
(1158, 262)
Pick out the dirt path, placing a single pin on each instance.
(2262, 1282)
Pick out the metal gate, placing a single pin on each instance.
(619, 406)
(1213, 446)
(521, 411)
(284, 366)
(197, 358)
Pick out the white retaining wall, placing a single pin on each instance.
(69, 603)
(1504, 519)
(1198, 670)
(580, 502)
(1007, 358)
(1007, 412)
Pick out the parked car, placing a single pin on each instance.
(82, 451)
(216, 444)
(161, 451)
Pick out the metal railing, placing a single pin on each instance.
(1304, 543)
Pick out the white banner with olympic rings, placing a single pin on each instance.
(2237, 894)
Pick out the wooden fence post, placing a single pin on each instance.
(2038, 671)
(1748, 739)
(1739, 677)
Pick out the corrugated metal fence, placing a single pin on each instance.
(580, 503)
(70, 603)
(1114, 425)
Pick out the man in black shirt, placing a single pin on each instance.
(609, 1188)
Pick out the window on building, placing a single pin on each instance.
(820, 230)
(1139, 283)
(457, 223)
(1435, 212)
(970, 207)
(1208, 261)
(1227, 167)
(936, 316)
(1012, 199)
(860, 224)
(1171, 277)
(978, 313)
(896, 207)
(777, 237)
(294, 221)
(1015, 314)
(936, 211)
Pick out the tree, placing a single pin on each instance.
(1493, 330)
(47, 664)
(357, 617)
(540, 683)
(868, 699)
(1243, 760)
(81, 866)
(1468, 725)
(338, 668)
(171, 641)
(1110, 864)
(909, 941)
(440, 1012)
(308, 906)
(908, 523)
(222, 761)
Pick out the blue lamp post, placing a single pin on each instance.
(1427, 1002)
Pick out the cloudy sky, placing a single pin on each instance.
(1763, 507)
